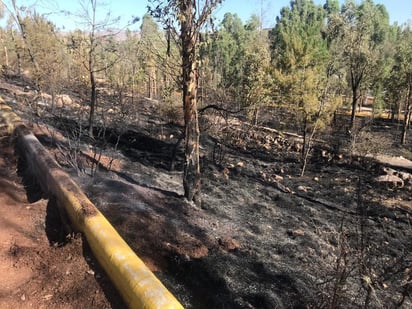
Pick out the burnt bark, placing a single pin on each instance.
(356, 80)
(191, 15)
(407, 116)
(353, 113)
(18, 55)
(354, 100)
(92, 70)
(93, 99)
(188, 35)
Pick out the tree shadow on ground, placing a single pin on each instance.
(155, 224)
(136, 145)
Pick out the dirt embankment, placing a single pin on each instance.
(39, 268)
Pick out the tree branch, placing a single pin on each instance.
(218, 108)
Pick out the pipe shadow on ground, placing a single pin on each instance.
(59, 233)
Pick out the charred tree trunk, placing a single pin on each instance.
(308, 136)
(354, 105)
(305, 151)
(151, 85)
(393, 112)
(93, 99)
(191, 177)
(91, 68)
(6, 57)
(407, 116)
(356, 79)
(18, 55)
(191, 15)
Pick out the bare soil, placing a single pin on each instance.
(39, 267)
(263, 237)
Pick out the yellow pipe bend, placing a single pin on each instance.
(137, 284)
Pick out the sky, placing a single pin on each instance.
(399, 10)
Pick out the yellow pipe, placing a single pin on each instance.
(8, 119)
(138, 285)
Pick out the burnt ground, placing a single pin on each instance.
(263, 237)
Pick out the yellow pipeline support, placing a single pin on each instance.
(8, 120)
(138, 285)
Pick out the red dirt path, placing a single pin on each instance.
(37, 269)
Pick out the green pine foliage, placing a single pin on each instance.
(315, 55)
